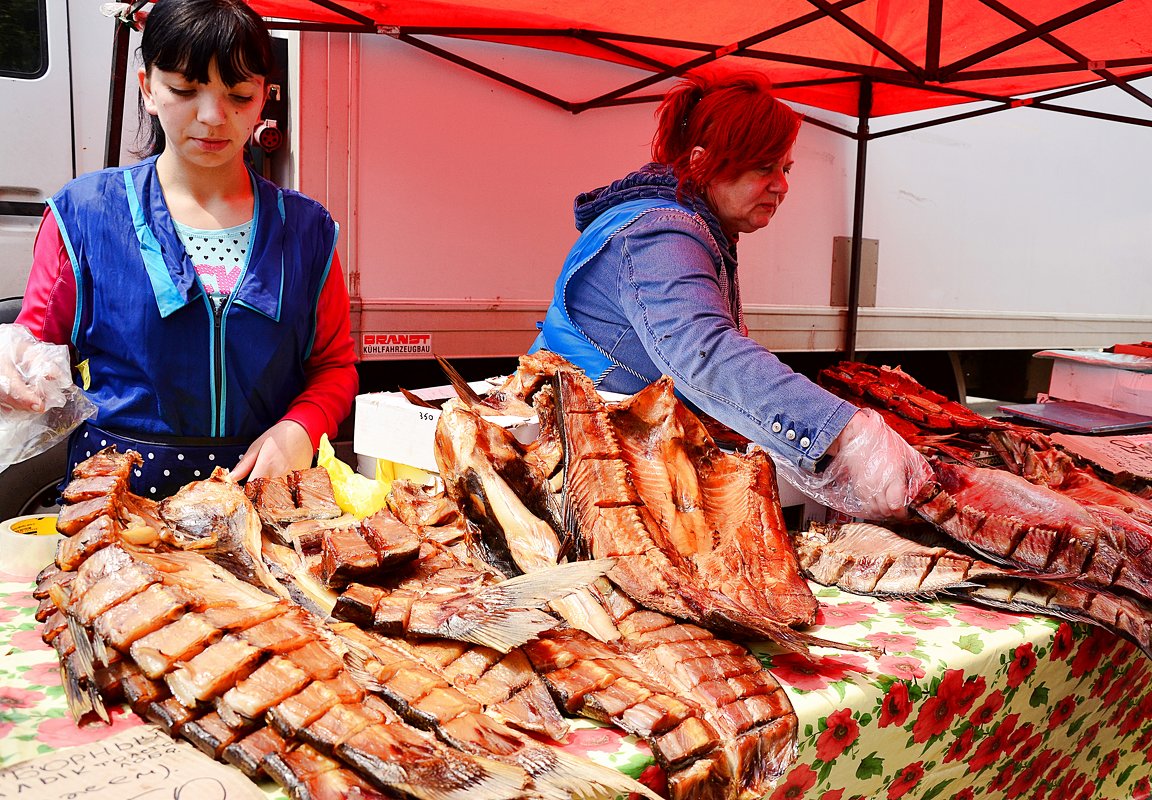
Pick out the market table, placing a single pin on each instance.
(965, 703)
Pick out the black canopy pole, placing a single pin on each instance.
(116, 94)
(851, 322)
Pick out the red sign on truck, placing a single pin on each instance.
(396, 344)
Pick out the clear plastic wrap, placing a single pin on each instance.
(874, 475)
(39, 403)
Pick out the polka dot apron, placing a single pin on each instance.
(167, 466)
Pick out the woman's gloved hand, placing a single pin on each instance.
(873, 473)
(39, 404)
(27, 370)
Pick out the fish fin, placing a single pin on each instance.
(799, 642)
(502, 630)
(415, 399)
(98, 704)
(534, 589)
(463, 778)
(461, 387)
(356, 658)
(85, 654)
(100, 649)
(583, 778)
(506, 615)
(81, 695)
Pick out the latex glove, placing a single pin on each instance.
(281, 449)
(23, 379)
(39, 404)
(874, 474)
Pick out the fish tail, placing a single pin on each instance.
(583, 778)
(534, 589)
(502, 630)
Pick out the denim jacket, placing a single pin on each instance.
(659, 296)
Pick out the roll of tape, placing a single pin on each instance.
(28, 544)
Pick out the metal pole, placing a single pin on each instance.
(116, 94)
(850, 326)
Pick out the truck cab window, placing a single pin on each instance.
(23, 39)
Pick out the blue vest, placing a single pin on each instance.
(161, 362)
(559, 333)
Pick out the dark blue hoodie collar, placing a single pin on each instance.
(650, 181)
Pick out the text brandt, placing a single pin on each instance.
(396, 343)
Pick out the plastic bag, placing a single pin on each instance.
(39, 403)
(874, 475)
(356, 494)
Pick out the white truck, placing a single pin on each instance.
(988, 239)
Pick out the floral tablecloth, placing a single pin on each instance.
(966, 703)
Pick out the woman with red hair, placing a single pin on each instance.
(651, 288)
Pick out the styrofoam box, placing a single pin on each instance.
(1101, 385)
(391, 428)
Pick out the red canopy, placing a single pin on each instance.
(863, 58)
(911, 54)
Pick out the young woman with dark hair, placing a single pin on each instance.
(205, 306)
(651, 288)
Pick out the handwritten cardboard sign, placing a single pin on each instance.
(142, 763)
(1114, 453)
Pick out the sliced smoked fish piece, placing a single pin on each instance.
(271, 683)
(312, 491)
(249, 753)
(157, 652)
(418, 508)
(505, 684)
(676, 551)
(870, 559)
(292, 507)
(847, 558)
(80, 489)
(345, 556)
(743, 703)
(213, 670)
(313, 701)
(388, 753)
(141, 614)
(99, 596)
(468, 605)
(1009, 519)
(215, 517)
(395, 542)
(97, 534)
(305, 772)
(428, 700)
(75, 516)
(108, 462)
(211, 734)
(515, 520)
(273, 500)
